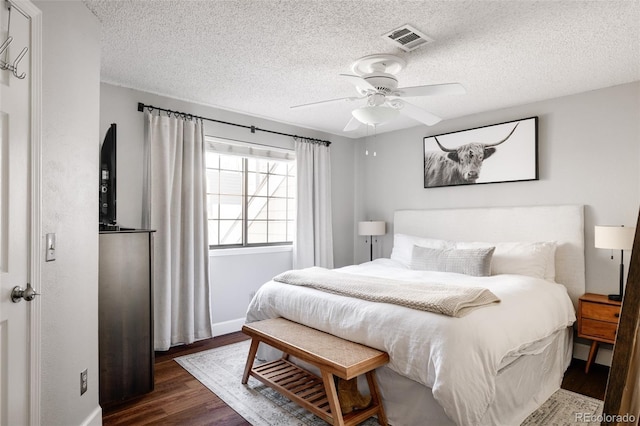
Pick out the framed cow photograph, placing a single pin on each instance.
(504, 152)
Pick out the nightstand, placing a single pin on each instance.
(598, 321)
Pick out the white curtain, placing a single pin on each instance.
(174, 204)
(313, 245)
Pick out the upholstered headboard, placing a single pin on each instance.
(563, 224)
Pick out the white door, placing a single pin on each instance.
(15, 218)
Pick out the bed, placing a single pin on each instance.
(494, 365)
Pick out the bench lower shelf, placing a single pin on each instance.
(305, 389)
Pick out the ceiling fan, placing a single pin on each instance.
(375, 81)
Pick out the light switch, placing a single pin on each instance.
(51, 247)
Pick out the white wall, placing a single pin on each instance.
(589, 146)
(71, 75)
(233, 278)
(589, 151)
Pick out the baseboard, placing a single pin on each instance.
(227, 327)
(581, 351)
(94, 419)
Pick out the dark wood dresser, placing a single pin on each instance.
(125, 315)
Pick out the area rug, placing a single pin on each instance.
(567, 408)
(221, 371)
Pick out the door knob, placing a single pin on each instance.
(18, 293)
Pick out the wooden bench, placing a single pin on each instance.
(332, 355)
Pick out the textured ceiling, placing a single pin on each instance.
(261, 57)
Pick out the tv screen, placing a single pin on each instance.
(108, 180)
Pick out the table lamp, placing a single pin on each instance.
(615, 238)
(370, 229)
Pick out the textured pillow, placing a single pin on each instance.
(473, 261)
(403, 246)
(532, 259)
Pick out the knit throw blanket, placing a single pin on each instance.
(446, 299)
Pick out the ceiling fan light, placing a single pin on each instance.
(374, 115)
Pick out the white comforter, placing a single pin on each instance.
(458, 358)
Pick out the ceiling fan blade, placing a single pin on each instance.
(352, 125)
(432, 89)
(311, 104)
(358, 81)
(419, 114)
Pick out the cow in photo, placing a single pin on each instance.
(457, 166)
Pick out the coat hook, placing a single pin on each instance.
(6, 44)
(14, 67)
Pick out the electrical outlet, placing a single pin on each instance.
(83, 382)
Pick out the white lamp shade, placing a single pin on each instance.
(373, 115)
(372, 227)
(614, 237)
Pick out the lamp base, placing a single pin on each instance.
(615, 297)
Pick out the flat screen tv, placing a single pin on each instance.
(108, 181)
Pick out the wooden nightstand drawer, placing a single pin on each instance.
(598, 329)
(598, 318)
(601, 312)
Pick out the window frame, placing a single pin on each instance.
(245, 222)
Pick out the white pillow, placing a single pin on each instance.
(403, 246)
(475, 261)
(532, 259)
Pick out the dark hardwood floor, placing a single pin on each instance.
(180, 399)
(593, 384)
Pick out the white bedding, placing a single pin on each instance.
(447, 299)
(458, 358)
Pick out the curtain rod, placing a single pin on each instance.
(253, 129)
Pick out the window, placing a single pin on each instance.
(250, 200)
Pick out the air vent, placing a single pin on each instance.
(407, 38)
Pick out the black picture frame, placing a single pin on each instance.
(514, 158)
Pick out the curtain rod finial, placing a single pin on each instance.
(140, 107)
